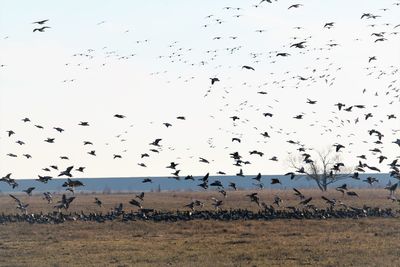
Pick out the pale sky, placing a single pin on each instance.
(152, 61)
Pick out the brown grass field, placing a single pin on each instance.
(333, 242)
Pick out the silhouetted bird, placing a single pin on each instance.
(40, 22)
(29, 190)
(41, 29)
(247, 67)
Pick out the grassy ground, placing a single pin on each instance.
(177, 200)
(347, 242)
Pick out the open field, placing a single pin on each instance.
(334, 242)
(171, 201)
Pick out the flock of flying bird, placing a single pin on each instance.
(316, 75)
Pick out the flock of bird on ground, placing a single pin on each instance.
(307, 160)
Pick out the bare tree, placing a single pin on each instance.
(324, 167)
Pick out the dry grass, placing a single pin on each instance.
(347, 242)
(165, 201)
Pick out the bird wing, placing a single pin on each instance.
(16, 199)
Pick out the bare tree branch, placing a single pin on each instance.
(324, 169)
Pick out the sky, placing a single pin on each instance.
(152, 61)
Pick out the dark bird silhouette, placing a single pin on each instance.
(67, 172)
(48, 196)
(298, 117)
(338, 147)
(258, 177)
(41, 29)
(305, 201)
(44, 179)
(172, 165)
(233, 185)
(10, 132)
(292, 175)
(176, 173)
(298, 193)
(29, 190)
(352, 193)
(216, 183)
(370, 180)
(216, 203)
(80, 169)
(203, 160)
(247, 67)
(371, 58)
(331, 202)
(40, 22)
(295, 6)
(397, 142)
(189, 177)
(277, 201)
(50, 140)
(299, 45)
(275, 181)
(382, 158)
(214, 80)
(156, 142)
(72, 183)
(119, 116)
(254, 198)
(10, 181)
(98, 202)
(204, 185)
(256, 152)
(20, 205)
(282, 54)
(267, 114)
(265, 134)
(58, 129)
(64, 202)
(340, 105)
(392, 188)
(140, 196)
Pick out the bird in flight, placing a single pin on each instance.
(41, 29)
(40, 22)
(214, 80)
(247, 67)
(10, 132)
(295, 6)
(329, 25)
